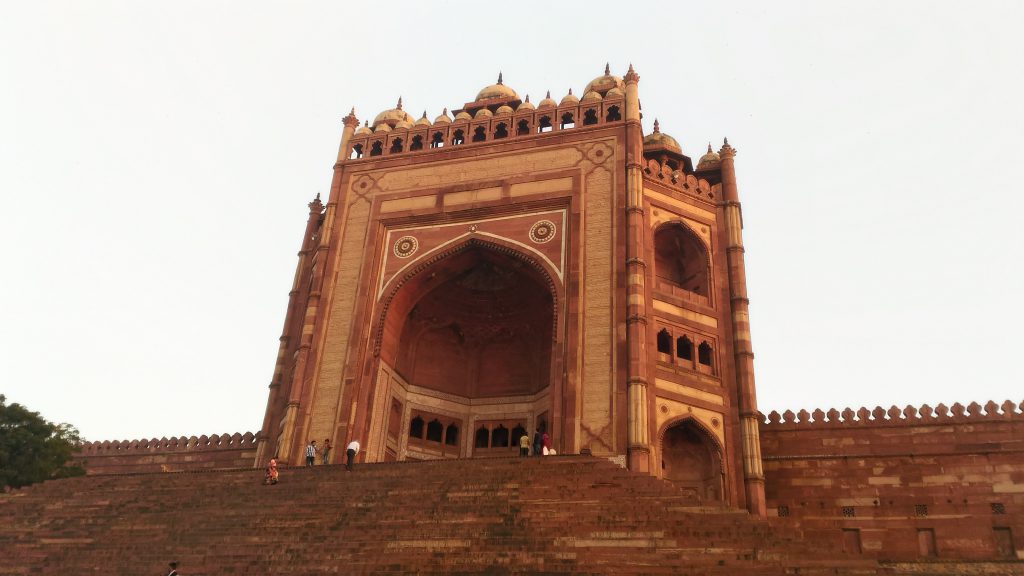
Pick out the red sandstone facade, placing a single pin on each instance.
(525, 266)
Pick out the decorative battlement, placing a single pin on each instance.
(894, 415)
(485, 126)
(176, 444)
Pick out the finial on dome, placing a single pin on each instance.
(499, 77)
(631, 68)
(549, 94)
(570, 91)
(366, 123)
(527, 97)
(725, 142)
(607, 70)
(352, 111)
(657, 127)
(399, 107)
(445, 111)
(709, 148)
(425, 115)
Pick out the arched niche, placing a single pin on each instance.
(681, 260)
(691, 458)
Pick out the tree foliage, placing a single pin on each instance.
(33, 449)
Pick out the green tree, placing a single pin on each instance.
(32, 449)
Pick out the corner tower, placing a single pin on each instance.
(515, 267)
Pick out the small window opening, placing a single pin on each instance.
(479, 135)
(438, 141)
(613, 114)
(417, 143)
(684, 348)
(459, 137)
(499, 439)
(434, 430)
(416, 428)
(568, 121)
(451, 435)
(704, 353)
(523, 128)
(483, 438)
(590, 117)
(396, 146)
(377, 149)
(664, 342)
(501, 131)
(544, 125)
(357, 151)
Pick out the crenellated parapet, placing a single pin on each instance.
(175, 444)
(894, 415)
(191, 453)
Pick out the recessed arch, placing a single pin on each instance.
(691, 456)
(682, 260)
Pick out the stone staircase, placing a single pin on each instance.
(553, 515)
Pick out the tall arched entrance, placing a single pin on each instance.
(691, 460)
(467, 354)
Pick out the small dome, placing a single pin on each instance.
(614, 93)
(443, 118)
(403, 125)
(364, 129)
(708, 160)
(591, 97)
(569, 98)
(483, 113)
(423, 121)
(604, 83)
(463, 116)
(547, 102)
(392, 116)
(658, 141)
(504, 109)
(526, 105)
(382, 127)
(498, 90)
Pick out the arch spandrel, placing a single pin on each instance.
(670, 413)
(540, 235)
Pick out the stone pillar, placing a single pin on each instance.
(351, 123)
(753, 472)
(266, 446)
(638, 427)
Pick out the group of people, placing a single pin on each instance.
(312, 450)
(541, 444)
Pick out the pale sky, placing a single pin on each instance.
(156, 159)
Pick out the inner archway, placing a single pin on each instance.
(692, 461)
(468, 341)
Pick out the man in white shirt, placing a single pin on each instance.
(350, 452)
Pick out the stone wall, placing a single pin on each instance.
(219, 451)
(902, 482)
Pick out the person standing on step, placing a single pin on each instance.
(311, 453)
(326, 450)
(174, 569)
(271, 472)
(350, 454)
(524, 444)
(547, 444)
(538, 442)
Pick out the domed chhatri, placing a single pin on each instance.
(443, 118)
(392, 117)
(364, 129)
(569, 99)
(423, 121)
(504, 110)
(709, 160)
(659, 141)
(547, 102)
(603, 84)
(498, 90)
(591, 96)
(526, 105)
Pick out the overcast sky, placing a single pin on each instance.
(156, 160)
